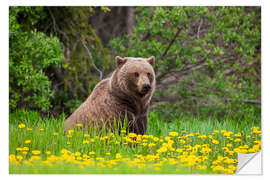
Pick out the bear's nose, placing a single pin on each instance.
(146, 87)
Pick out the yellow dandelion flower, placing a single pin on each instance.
(48, 152)
(86, 135)
(21, 126)
(237, 140)
(123, 131)
(19, 157)
(33, 158)
(27, 141)
(68, 143)
(172, 161)
(77, 153)
(25, 148)
(55, 134)
(19, 149)
(229, 145)
(218, 168)
(202, 136)
(41, 129)
(132, 135)
(24, 152)
(238, 150)
(238, 135)
(173, 134)
(79, 125)
(179, 150)
(108, 153)
(29, 129)
(118, 156)
(182, 141)
(228, 171)
(215, 141)
(71, 131)
(35, 152)
(79, 158)
(85, 142)
(151, 144)
(92, 153)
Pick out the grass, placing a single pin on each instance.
(184, 146)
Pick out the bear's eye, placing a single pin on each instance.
(148, 74)
(136, 74)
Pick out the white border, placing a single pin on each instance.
(4, 75)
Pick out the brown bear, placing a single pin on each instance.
(124, 95)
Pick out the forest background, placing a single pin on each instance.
(208, 59)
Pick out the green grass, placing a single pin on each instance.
(48, 135)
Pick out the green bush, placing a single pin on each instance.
(30, 53)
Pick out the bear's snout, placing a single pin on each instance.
(146, 88)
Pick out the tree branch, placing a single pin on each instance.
(91, 57)
(244, 100)
(171, 43)
(199, 28)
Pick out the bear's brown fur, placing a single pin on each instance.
(127, 93)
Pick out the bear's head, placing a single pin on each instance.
(135, 76)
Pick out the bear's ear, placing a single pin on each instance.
(120, 61)
(151, 60)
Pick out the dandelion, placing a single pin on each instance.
(55, 134)
(132, 135)
(48, 152)
(238, 135)
(215, 141)
(179, 150)
(182, 141)
(237, 140)
(21, 126)
(19, 149)
(92, 153)
(218, 168)
(27, 141)
(19, 157)
(70, 132)
(86, 135)
(151, 144)
(29, 129)
(79, 125)
(41, 129)
(68, 143)
(35, 152)
(123, 131)
(25, 148)
(118, 156)
(85, 142)
(173, 134)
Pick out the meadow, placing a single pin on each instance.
(187, 145)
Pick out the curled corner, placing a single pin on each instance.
(249, 163)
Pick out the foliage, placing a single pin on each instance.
(31, 52)
(87, 61)
(179, 147)
(207, 58)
